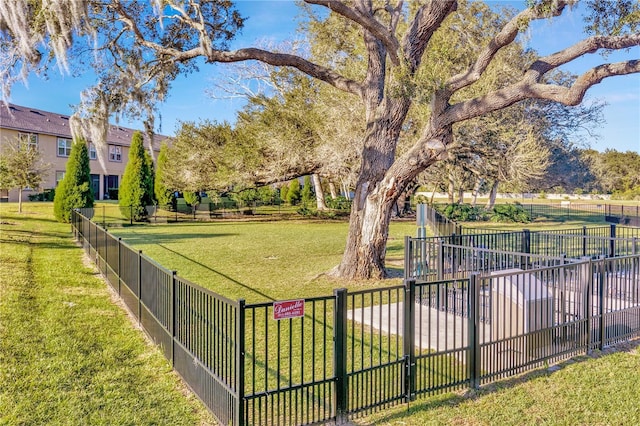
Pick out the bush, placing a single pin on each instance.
(47, 195)
(339, 203)
(629, 194)
(462, 212)
(74, 191)
(510, 213)
(113, 193)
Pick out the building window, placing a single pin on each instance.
(31, 139)
(64, 147)
(111, 187)
(59, 177)
(93, 154)
(115, 153)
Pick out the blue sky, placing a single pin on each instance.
(276, 21)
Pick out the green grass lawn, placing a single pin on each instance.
(599, 390)
(257, 260)
(77, 359)
(68, 354)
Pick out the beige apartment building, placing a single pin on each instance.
(49, 132)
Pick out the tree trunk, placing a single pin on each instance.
(345, 190)
(451, 189)
(476, 190)
(19, 200)
(317, 186)
(332, 190)
(460, 195)
(365, 251)
(492, 195)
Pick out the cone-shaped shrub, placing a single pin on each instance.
(136, 191)
(164, 195)
(293, 194)
(74, 191)
(307, 192)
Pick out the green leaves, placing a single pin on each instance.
(74, 191)
(136, 191)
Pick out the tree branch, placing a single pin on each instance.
(213, 55)
(505, 37)
(369, 23)
(525, 89)
(427, 20)
(589, 45)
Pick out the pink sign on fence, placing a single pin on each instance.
(288, 309)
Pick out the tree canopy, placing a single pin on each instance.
(403, 68)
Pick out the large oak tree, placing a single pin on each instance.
(145, 47)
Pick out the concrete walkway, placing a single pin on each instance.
(435, 330)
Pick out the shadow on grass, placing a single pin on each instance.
(27, 217)
(134, 238)
(225, 276)
(453, 399)
(35, 238)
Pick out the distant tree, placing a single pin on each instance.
(21, 167)
(284, 190)
(208, 156)
(136, 191)
(307, 192)
(74, 191)
(164, 194)
(293, 194)
(192, 199)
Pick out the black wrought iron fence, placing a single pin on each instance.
(351, 353)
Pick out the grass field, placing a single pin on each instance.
(79, 361)
(598, 390)
(68, 354)
(258, 261)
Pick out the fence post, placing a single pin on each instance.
(409, 340)
(408, 271)
(601, 306)
(440, 271)
(340, 354)
(584, 241)
(173, 317)
(240, 354)
(119, 261)
(588, 305)
(526, 248)
(526, 241)
(139, 284)
(612, 242)
(473, 330)
(106, 254)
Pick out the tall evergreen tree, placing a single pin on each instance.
(293, 194)
(307, 192)
(74, 191)
(164, 194)
(136, 191)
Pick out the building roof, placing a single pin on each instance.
(31, 120)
